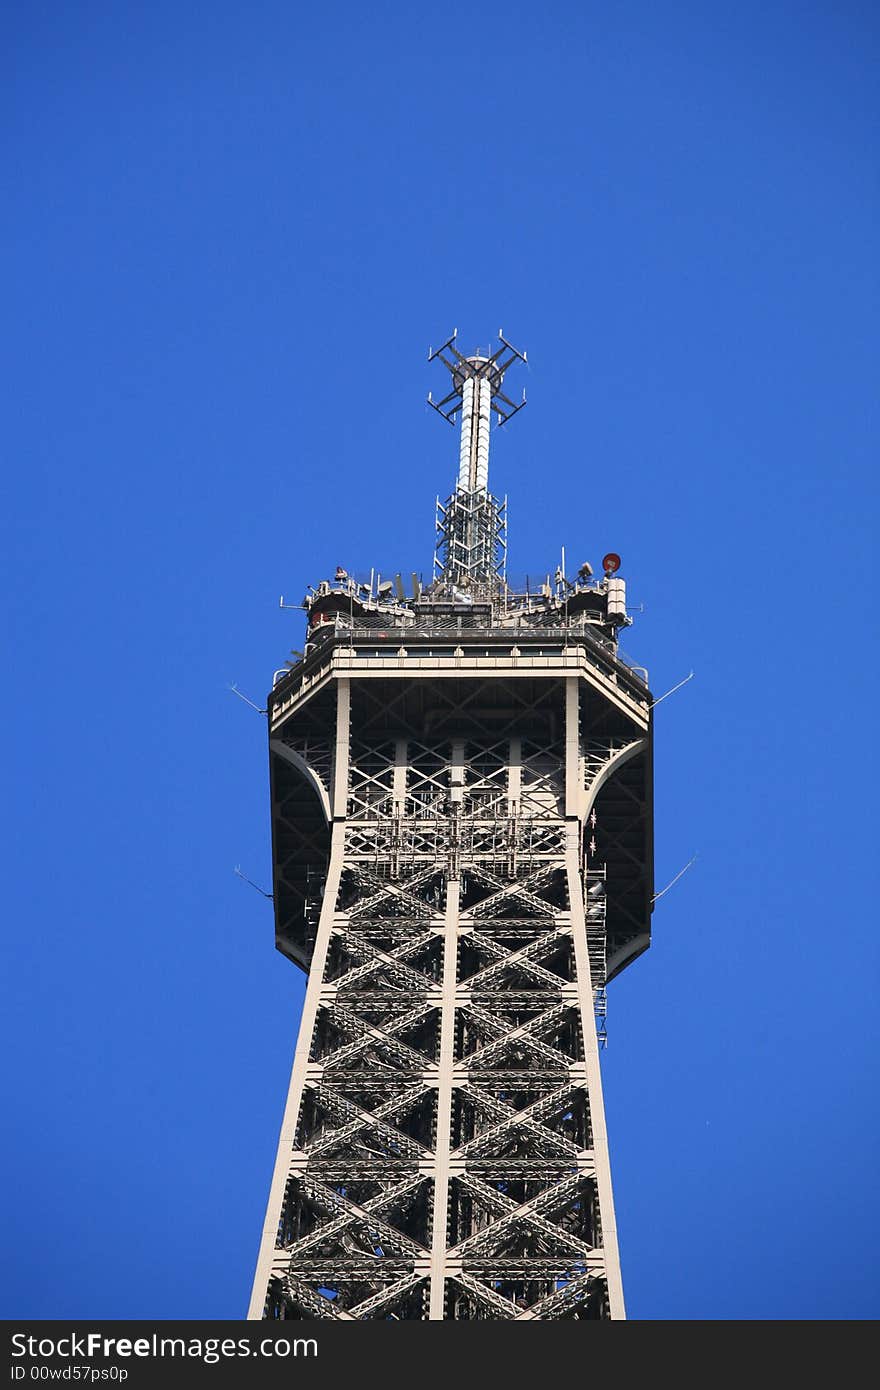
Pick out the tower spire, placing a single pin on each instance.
(471, 522)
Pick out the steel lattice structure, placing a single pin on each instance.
(461, 813)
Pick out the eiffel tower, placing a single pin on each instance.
(461, 794)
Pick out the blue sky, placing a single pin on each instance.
(230, 234)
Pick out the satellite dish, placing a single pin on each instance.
(386, 586)
(611, 563)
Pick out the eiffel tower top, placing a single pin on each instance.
(469, 588)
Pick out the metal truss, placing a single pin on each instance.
(471, 539)
(443, 1153)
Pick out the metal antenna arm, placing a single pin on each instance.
(450, 343)
(439, 405)
(517, 355)
(505, 415)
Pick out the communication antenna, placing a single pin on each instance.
(471, 527)
(244, 878)
(672, 882)
(687, 678)
(235, 690)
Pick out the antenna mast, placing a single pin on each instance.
(471, 523)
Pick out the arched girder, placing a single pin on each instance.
(620, 834)
(626, 954)
(284, 750)
(300, 852)
(609, 768)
